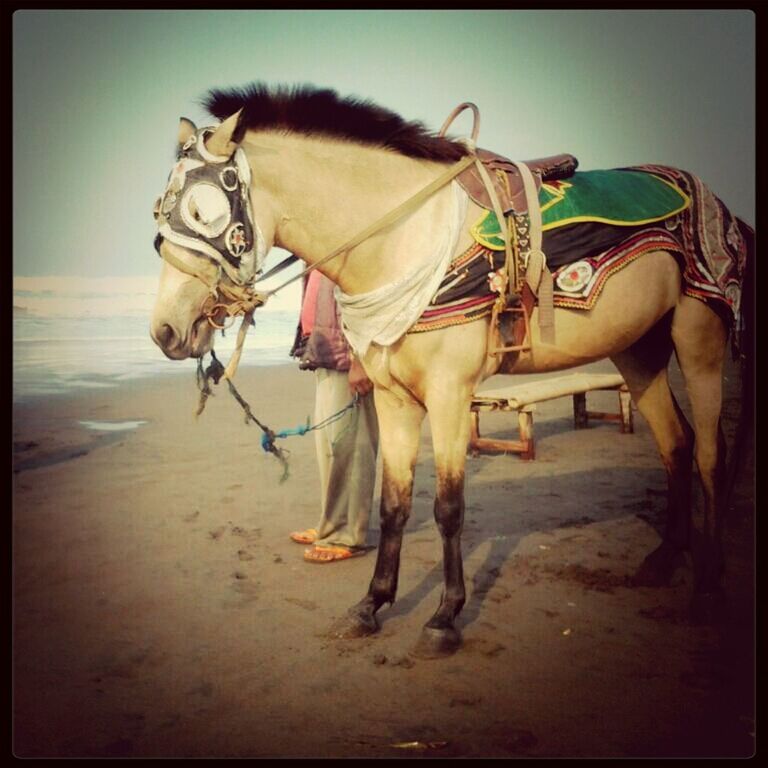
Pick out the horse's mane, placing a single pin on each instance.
(313, 111)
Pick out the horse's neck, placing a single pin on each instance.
(320, 193)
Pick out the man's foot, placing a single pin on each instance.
(329, 554)
(304, 537)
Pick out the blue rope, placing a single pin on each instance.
(267, 439)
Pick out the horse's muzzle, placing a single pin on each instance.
(176, 346)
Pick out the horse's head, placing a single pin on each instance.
(211, 245)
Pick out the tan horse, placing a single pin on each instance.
(310, 190)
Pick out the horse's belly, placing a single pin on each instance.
(632, 302)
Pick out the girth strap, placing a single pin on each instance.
(537, 274)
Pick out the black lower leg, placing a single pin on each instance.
(440, 637)
(395, 510)
(659, 566)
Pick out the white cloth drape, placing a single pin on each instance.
(383, 315)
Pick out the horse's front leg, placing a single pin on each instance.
(399, 433)
(449, 419)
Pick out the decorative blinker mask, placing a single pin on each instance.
(206, 207)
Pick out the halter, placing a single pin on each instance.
(206, 208)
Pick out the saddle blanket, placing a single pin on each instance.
(709, 242)
(467, 293)
(576, 210)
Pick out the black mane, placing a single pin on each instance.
(308, 110)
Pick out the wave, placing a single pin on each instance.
(69, 296)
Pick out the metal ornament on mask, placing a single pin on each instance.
(206, 207)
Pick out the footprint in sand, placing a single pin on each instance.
(306, 604)
(216, 533)
(251, 536)
(487, 648)
(247, 589)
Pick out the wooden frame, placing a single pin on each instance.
(523, 399)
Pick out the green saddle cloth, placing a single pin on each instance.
(618, 198)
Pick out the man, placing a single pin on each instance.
(347, 447)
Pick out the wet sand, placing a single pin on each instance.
(161, 610)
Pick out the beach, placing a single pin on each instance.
(160, 609)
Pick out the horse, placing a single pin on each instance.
(310, 168)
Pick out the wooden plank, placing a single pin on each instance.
(548, 389)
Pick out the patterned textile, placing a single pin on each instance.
(578, 285)
(714, 242)
(709, 242)
(621, 198)
(468, 295)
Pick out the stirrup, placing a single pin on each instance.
(500, 349)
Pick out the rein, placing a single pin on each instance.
(216, 372)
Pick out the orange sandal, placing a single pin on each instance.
(304, 537)
(329, 554)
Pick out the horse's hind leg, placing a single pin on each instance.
(644, 367)
(400, 421)
(700, 340)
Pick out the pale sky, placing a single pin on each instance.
(97, 96)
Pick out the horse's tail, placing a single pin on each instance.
(744, 347)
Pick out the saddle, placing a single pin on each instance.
(507, 180)
(497, 183)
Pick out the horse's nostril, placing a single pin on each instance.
(166, 336)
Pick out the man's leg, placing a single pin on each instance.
(346, 453)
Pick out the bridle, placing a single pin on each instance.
(206, 209)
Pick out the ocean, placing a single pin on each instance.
(73, 333)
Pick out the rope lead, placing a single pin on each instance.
(216, 371)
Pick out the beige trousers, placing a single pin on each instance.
(346, 457)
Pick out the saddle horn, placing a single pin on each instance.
(456, 112)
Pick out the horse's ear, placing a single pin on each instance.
(186, 129)
(225, 139)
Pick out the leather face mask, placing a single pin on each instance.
(206, 207)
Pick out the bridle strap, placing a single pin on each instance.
(241, 301)
(188, 269)
(286, 262)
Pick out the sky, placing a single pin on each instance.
(97, 95)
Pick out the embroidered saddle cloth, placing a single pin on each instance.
(574, 212)
(676, 213)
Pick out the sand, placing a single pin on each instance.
(161, 610)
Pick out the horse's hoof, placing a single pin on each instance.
(709, 608)
(355, 624)
(437, 643)
(658, 568)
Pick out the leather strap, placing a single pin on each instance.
(234, 361)
(537, 273)
(390, 218)
(188, 269)
(456, 112)
(511, 263)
